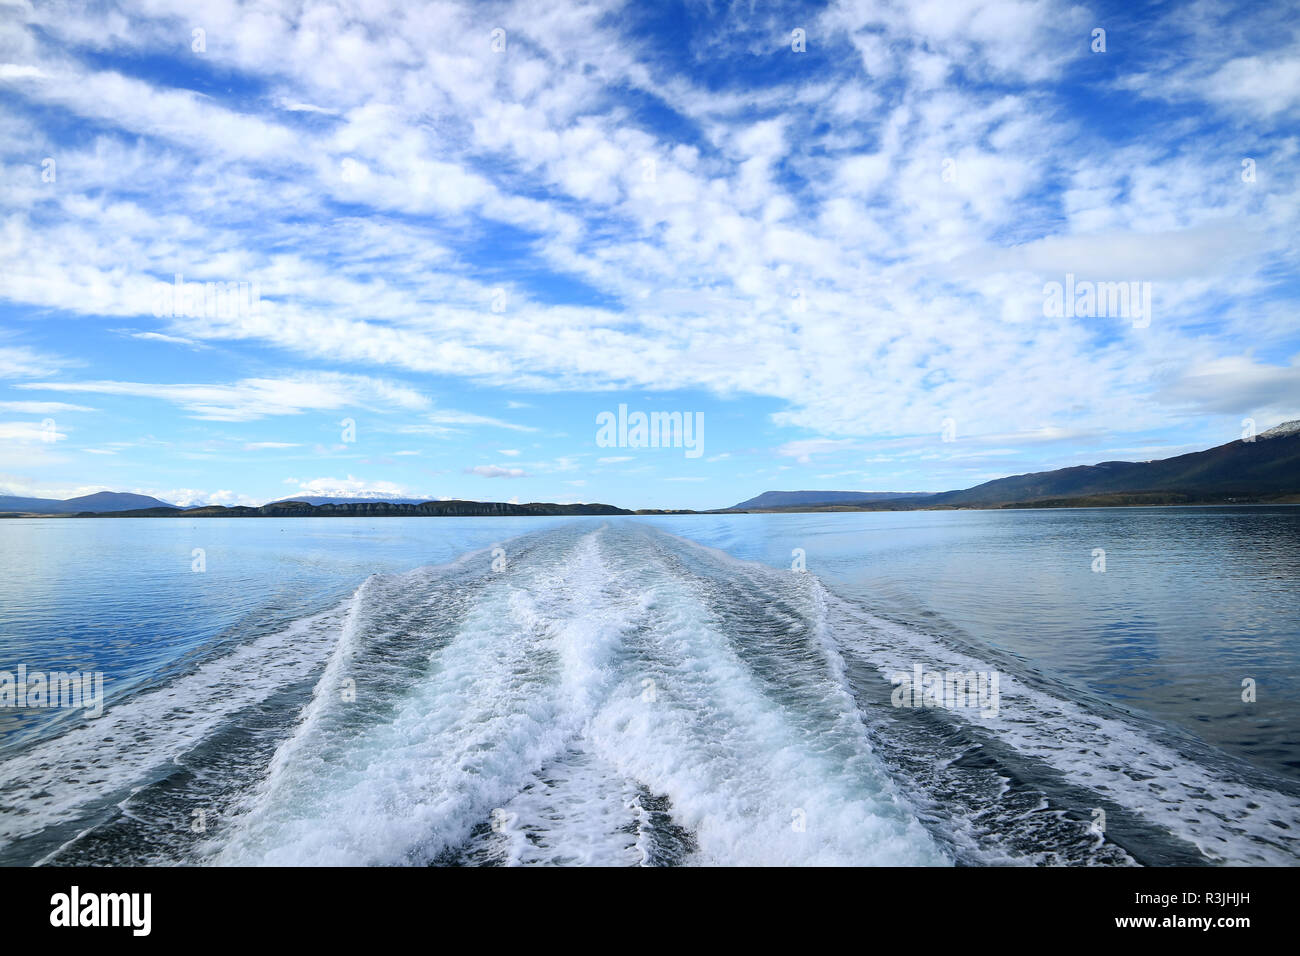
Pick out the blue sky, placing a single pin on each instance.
(473, 228)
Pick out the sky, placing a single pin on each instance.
(423, 248)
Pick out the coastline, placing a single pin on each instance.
(492, 509)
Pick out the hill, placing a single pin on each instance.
(99, 502)
(786, 499)
(357, 500)
(302, 509)
(1266, 469)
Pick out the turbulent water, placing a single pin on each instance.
(607, 692)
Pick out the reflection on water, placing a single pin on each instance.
(1192, 600)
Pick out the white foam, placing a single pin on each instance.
(756, 781)
(526, 693)
(49, 783)
(578, 811)
(501, 699)
(543, 682)
(1228, 820)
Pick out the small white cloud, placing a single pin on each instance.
(295, 107)
(20, 71)
(254, 398)
(351, 487)
(42, 408)
(30, 432)
(496, 471)
(452, 417)
(170, 339)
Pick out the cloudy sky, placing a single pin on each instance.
(466, 230)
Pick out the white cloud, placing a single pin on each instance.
(350, 487)
(496, 471)
(191, 498)
(19, 71)
(449, 417)
(20, 361)
(921, 292)
(255, 398)
(170, 339)
(1235, 384)
(804, 449)
(30, 432)
(42, 408)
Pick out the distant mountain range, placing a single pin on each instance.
(1266, 469)
(787, 499)
(107, 504)
(359, 499)
(99, 502)
(369, 508)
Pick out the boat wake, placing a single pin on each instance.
(614, 695)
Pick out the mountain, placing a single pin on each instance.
(1267, 468)
(367, 508)
(786, 499)
(317, 500)
(100, 501)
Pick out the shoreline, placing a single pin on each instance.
(493, 509)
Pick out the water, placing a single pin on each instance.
(665, 690)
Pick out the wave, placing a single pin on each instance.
(586, 674)
(63, 779)
(615, 695)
